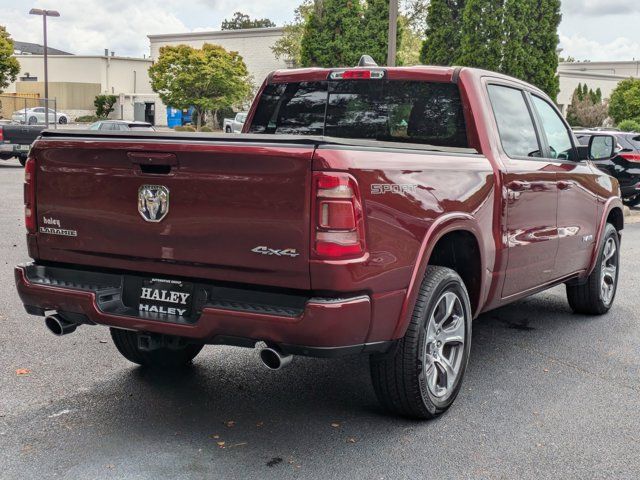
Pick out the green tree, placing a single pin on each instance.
(104, 105)
(9, 66)
(333, 35)
(288, 47)
(375, 29)
(624, 103)
(241, 21)
(441, 45)
(482, 35)
(531, 42)
(208, 79)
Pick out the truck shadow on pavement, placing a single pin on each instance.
(228, 413)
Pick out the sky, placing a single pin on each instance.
(590, 29)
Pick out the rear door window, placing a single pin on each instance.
(515, 125)
(385, 110)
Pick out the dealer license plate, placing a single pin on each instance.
(165, 297)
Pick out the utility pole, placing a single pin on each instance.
(45, 14)
(393, 33)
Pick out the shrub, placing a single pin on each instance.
(206, 129)
(629, 126)
(86, 119)
(104, 105)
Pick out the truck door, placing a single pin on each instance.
(530, 233)
(577, 182)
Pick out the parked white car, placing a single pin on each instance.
(36, 115)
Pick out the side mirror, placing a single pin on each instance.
(602, 147)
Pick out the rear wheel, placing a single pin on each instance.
(178, 354)
(595, 296)
(422, 375)
(23, 160)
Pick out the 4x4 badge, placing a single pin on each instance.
(153, 202)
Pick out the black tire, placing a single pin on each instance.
(62, 120)
(632, 201)
(22, 160)
(179, 356)
(227, 129)
(400, 376)
(589, 297)
(33, 120)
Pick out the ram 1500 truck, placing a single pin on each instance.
(364, 210)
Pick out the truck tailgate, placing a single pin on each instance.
(235, 211)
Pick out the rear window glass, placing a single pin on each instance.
(394, 111)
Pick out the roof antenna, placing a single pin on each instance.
(367, 61)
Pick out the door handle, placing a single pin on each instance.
(562, 185)
(519, 186)
(153, 158)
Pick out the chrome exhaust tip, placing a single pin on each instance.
(274, 359)
(59, 326)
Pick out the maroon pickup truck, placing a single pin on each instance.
(363, 210)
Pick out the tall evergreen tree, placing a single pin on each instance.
(333, 35)
(531, 42)
(375, 30)
(482, 35)
(442, 36)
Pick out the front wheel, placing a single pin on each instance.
(62, 120)
(176, 355)
(422, 375)
(23, 160)
(33, 120)
(595, 296)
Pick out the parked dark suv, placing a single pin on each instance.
(625, 166)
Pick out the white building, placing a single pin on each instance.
(75, 80)
(603, 75)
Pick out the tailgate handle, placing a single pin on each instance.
(153, 158)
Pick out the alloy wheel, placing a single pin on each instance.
(444, 345)
(609, 269)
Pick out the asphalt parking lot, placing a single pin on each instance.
(548, 394)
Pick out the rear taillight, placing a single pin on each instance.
(1, 135)
(631, 157)
(338, 219)
(30, 195)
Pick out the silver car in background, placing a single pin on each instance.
(234, 125)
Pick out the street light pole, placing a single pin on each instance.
(45, 14)
(393, 33)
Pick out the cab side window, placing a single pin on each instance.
(515, 125)
(560, 146)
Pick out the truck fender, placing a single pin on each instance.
(611, 204)
(447, 223)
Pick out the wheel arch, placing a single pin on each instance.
(613, 213)
(454, 241)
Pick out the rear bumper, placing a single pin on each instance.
(314, 326)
